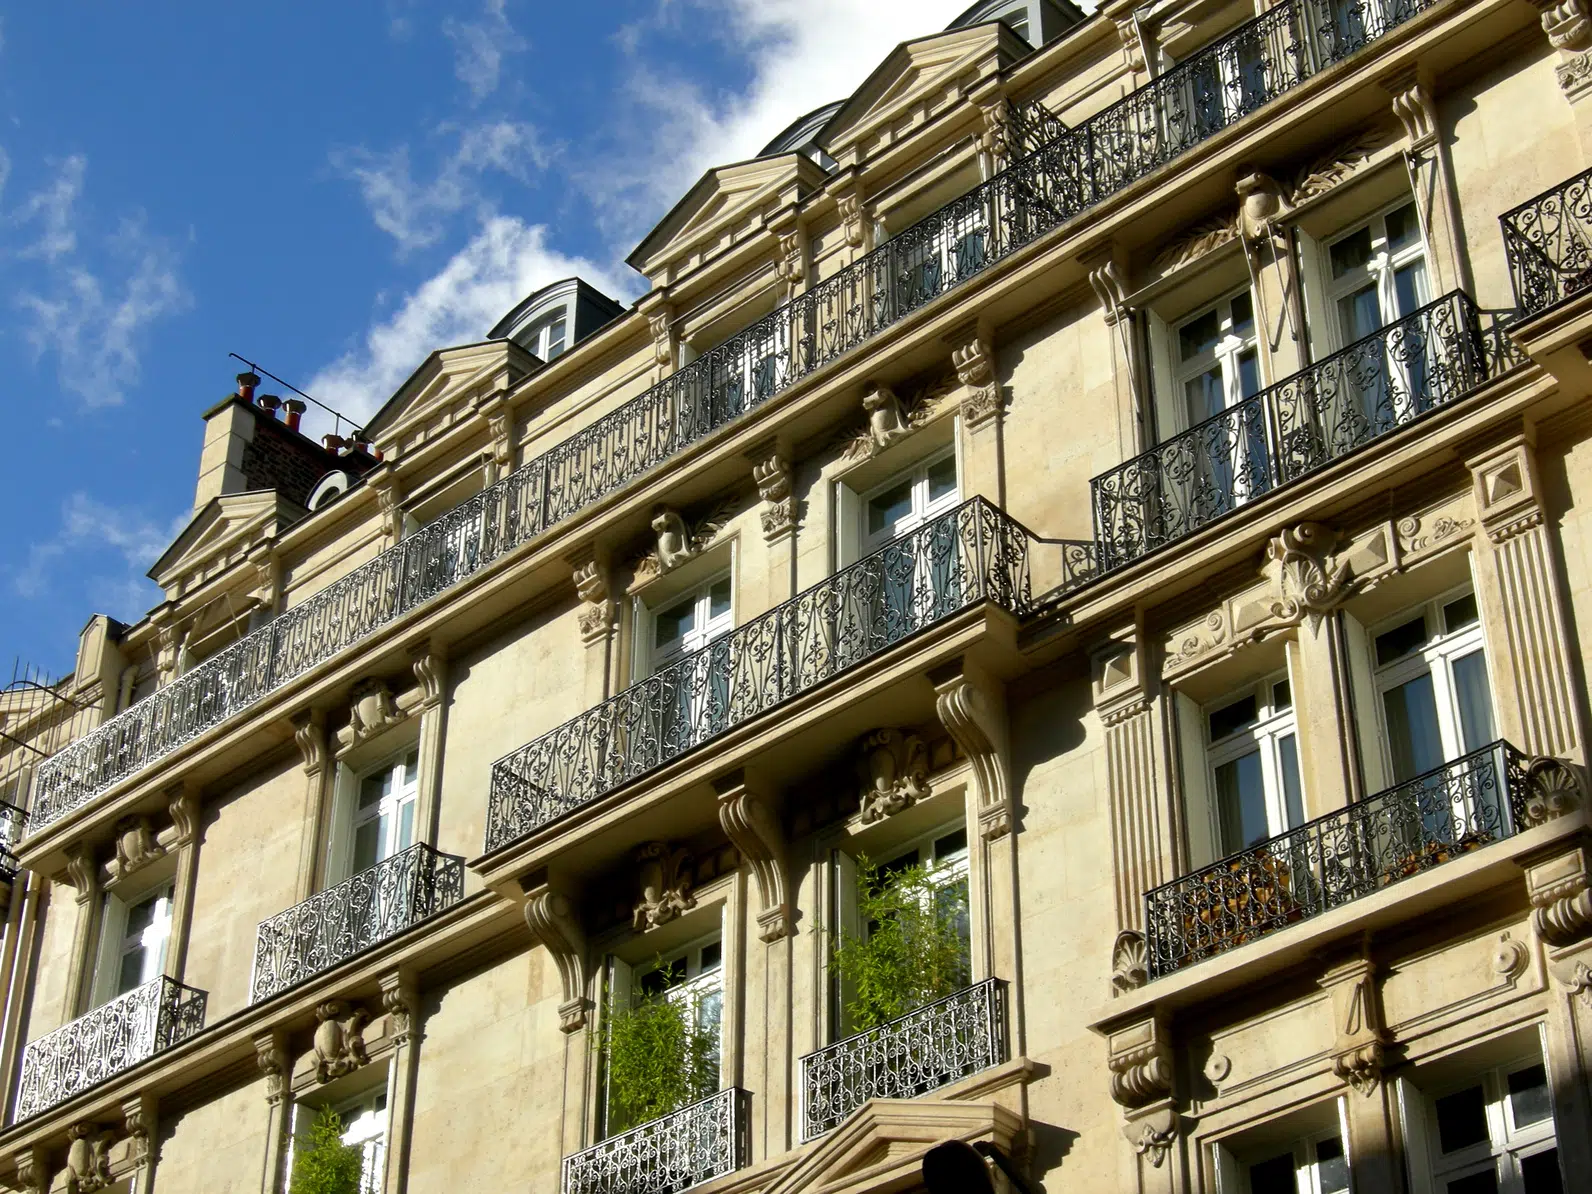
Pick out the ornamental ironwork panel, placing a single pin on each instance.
(1429, 359)
(108, 1040)
(12, 821)
(346, 920)
(1326, 863)
(674, 1152)
(1057, 181)
(1548, 242)
(930, 1047)
(972, 554)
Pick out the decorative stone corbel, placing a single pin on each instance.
(182, 805)
(136, 847)
(33, 1169)
(790, 266)
(894, 770)
(749, 820)
(1129, 962)
(400, 999)
(270, 1055)
(339, 1040)
(1568, 24)
(140, 1115)
(1105, 277)
(1357, 1053)
(975, 369)
(596, 616)
(674, 540)
(383, 483)
(430, 669)
(772, 475)
(267, 567)
(660, 322)
(309, 732)
(853, 220)
(1559, 885)
(499, 415)
(1140, 1059)
(1307, 579)
(552, 919)
(1132, 44)
(1413, 105)
(663, 877)
(1260, 203)
(88, 1158)
(973, 709)
(995, 132)
(80, 872)
(372, 710)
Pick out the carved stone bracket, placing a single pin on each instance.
(1575, 76)
(383, 482)
(975, 369)
(1568, 24)
(894, 770)
(1105, 276)
(750, 822)
(1559, 885)
(1132, 44)
(789, 266)
(661, 325)
(1152, 1131)
(431, 672)
(33, 1169)
(1357, 1053)
(853, 220)
(995, 133)
(372, 710)
(1141, 1059)
(139, 1118)
(400, 999)
(339, 1039)
(677, 543)
(974, 713)
(88, 1157)
(663, 879)
(772, 475)
(499, 415)
(80, 872)
(136, 847)
(1554, 787)
(887, 423)
(1308, 580)
(1129, 962)
(596, 617)
(1260, 202)
(270, 1055)
(309, 733)
(553, 921)
(183, 807)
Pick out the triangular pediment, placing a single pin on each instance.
(881, 1146)
(444, 389)
(221, 534)
(932, 70)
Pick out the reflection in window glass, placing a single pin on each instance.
(1413, 736)
(1528, 1096)
(1241, 802)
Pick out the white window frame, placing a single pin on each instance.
(1437, 658)
(1264, 736)
(705, 628)
(925, 508)
(1225, 356)
(365, 1124)
(346, 813)
(1232, 1173)
(404, 794)
(115, 944)
(1506, 1146)
(1380, 271)
(543, 343)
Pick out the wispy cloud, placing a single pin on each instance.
(111, 548)
(92, 316)
(480, 45)
(415, 214)
(505, 261)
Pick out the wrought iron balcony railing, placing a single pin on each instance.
(344, 921)
(112, 1038)
(930, 1047)
(1422, 823)
(672, 1153)
(966, 556)
(1064, 177)
(1548, 242)
(12, 820)
(1426, 360)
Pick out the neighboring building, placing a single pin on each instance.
(1139, 467)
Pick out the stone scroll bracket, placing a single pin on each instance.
(751, 822)
(774, 478)
(972, 707)
(1559, 887)
(1360, 1044)
(554, 922)
(1143, 1082)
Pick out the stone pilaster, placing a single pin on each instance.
(400, 996)
(1108, 276)
(140, 1123)
(184, 806)
(1279, 309)
(309, 732)
(82, 872)
(430, 667)
(1431, 176)
(1143, 1084)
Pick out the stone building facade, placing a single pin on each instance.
(1130, 461)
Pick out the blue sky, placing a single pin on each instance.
(332, 189)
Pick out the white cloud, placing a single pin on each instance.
(52, 209)
(416, 214)
(479, 47)
(504, 262)
(800, 55)
(94, 533)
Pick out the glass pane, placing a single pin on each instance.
(1351, 253)
(1273, 1176)
(406, 827)
(952, 845)
(1528, 1096)
(1475, 701)
(1409, 288)
(1403, 227)
(1243, 317)
(411, 766)
(1204, 395)
(1332, 1167)
(1198, 336)
(1229, 719)
(1485, 1182)
(1462, 1119)
(1459, 613)
(373, 787)
(1539, 1173)
(1412, 728)
(942, 478)
(367, 845)
(132, 974)
(889, 508)
(712, 957)
(1359, 313)
(1241, 803)
(555, 339)
(719, 598)
(671, 625)
(1248, 373)
(1281, 696)
(1400, 641)
(139, 917)
(1292, 793)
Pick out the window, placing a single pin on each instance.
(1492, 1134)
(1218, 365)
(133, 939)
(694, 979)
(384, 812)
(695, 697)
(908, 501)
(1431, 681)
(1252, 762)
(691, 622)
(548, 340)
(1316, 1165)
(364, 1122)
(1377, 273)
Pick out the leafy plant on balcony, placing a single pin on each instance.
(325, 1165)
(658, 1059)
(915, 948)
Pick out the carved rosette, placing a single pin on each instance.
(894, 770)
(663, 879)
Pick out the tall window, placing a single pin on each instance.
(909, 500)
(1492, 1134)
(1252, 757)
(691, 622)
(1218, 365)
(548, 340)
(365, 1127)
(913, 578)
(384, 814)
(695, 705)
(693, 979)
(1314, 1165)
(1377, 273)
(1431, 680)
(133, 940)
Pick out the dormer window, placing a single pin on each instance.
(549, 339)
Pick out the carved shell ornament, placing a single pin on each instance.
(1308, 580)
(894, 769)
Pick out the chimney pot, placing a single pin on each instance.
(334, 443)
(293, 410)
(269, 402)
(246, 384)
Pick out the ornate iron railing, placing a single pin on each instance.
(1428, 359)
(12, 821)
(1422, 823)
(1548, 243)
(360, 912)
(1060, 180)
(927, 1048)
(668, 1154)
(108, 1040)
(966, 556)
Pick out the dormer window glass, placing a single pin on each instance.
(549, 339)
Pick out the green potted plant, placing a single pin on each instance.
(324, 1164)
(657, 1058)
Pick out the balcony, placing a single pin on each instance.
(672, 1153)
(933, 1046)
(109, 1040)
(1548, 243)
(342, 922)
(1329, 862)
(1064, 177)
(966, 556)
(1428, 360)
